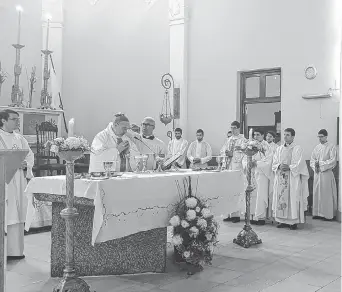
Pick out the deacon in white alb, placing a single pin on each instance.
(199, 152)
(178, 146)
(290, 193)
(16, 201)
(112, 144)
(323, 160)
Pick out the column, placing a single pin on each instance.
(178, 57)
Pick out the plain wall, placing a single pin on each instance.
(114, 55)
(31, 36)
(227, 36)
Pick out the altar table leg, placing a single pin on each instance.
(137, 253)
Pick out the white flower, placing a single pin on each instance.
(194, 231)
(190, 215)
(206, 212)
(186, 254)
(185, 224)
(208, 236)
(177, 240)
(198, 209)
(191, 202)
(73, 143)
(54, 149)
(175, 221)
(202, 223)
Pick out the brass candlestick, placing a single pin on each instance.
(70, 282)
(247, 237)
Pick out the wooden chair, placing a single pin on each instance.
(47, 131)
(82, 164)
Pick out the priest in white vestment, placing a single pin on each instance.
(260, 177)
(270, 138)
(290, 193)
(178, 146)
(16, 202)
(147, 143)
(112, 145)
(234, 162)
(322, 162)
(199, 152)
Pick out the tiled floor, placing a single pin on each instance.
(305, 260)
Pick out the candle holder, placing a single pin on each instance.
(70, 282)
(247, 237)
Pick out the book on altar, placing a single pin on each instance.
(171, 160)
(13, 160)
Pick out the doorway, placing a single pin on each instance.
(260, 100)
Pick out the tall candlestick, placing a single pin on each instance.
(71, 128)
(19, 9)
(250, 136)
(47, 34)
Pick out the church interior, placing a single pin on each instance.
(68, 68)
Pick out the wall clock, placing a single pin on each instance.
(310, 72)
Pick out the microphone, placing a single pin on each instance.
(135, 137)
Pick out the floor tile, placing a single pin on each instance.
(332, 287)
(216, 275)
(288, 286)
(189, 285)
(242, 265)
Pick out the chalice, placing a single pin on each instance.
(144, 162)
(107, 165)
(138, 160)
(219, 160)
(159, 161)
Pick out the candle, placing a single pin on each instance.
(48, 17)
(71, 128)
(19, 9)
(250, 136)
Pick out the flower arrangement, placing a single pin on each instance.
(251, 147)
(194, 228)
(69, 144)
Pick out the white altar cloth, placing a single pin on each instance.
(140, 202)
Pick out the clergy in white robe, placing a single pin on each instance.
(199, 152)
(270, 138)
(234, 162)
(290, 191)
(178, 146)
(147, 143)
(112, 145)
(322, 162)
(16, 202)
(260, 176)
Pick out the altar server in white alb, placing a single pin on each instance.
(323, 160)
(234, 162)
(147, 143)
(112, 145)
(16, 202)
(199, 152)
(270, 136)
(261, 174)
(290, 193)
(178, 146)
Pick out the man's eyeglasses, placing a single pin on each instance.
(233, 127)
(146, 125)
(320, 137)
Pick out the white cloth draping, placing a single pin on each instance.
(140, 202)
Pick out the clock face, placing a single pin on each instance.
(310, 72)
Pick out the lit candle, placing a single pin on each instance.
(71, 128)
(19, 9)
(48, 17)
(250, 136)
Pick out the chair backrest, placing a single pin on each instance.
(46, 131)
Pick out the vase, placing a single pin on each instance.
(70, 155)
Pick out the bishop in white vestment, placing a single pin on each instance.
(16, 202)
(234, 162)
(323, 160)
(113, 145)
(199, 152)
(261, 174)
(178, 146)
(290, 191)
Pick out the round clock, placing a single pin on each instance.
(310, 72)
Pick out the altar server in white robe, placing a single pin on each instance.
(112, 145)
(270, 138)
(234, 162)
(323, 160)
(16, 202)
(261, 174)
(178, 146)
(199, 152)
(290, 192)
(148, 143)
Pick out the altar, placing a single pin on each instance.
(122, 222)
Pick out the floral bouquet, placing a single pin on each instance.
(76, 146)
(251, 147)
(194, 228)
